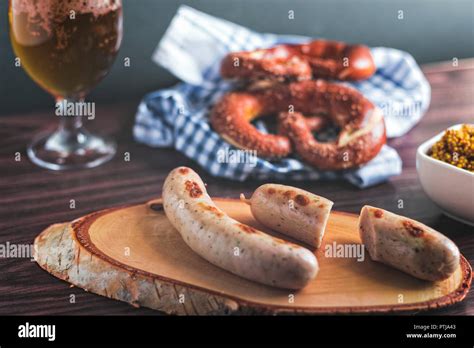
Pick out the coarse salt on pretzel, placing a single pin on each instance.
(231, 118)
(316, 59)
(362, 126)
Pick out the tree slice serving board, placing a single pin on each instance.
(133, 254)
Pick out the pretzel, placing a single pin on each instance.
(316, 59)
(362, 126)
(231, 118)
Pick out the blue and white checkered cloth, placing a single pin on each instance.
(192, 49)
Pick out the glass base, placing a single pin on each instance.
(65, 149)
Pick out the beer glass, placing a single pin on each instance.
(67, 47)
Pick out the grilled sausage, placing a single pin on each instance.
(407, 245)
(229, 244)
(291, 211)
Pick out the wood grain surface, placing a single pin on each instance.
(134, 254)
(32, 198)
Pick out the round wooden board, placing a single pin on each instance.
(133, 254)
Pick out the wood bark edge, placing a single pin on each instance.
(60, 252)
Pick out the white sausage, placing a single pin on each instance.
(229, 244)
(407, 245)
(294, 212)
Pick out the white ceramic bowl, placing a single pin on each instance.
(451, 188)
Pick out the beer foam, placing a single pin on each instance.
(42, 12)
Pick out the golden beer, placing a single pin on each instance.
(67, 47)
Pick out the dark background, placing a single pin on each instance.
(432, 30)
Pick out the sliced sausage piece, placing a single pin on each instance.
(407, 245)
(294, 212)
(229, 244)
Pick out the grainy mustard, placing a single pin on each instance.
(456, 147)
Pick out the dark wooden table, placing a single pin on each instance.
(32, 198)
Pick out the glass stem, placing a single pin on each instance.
(68, 124)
